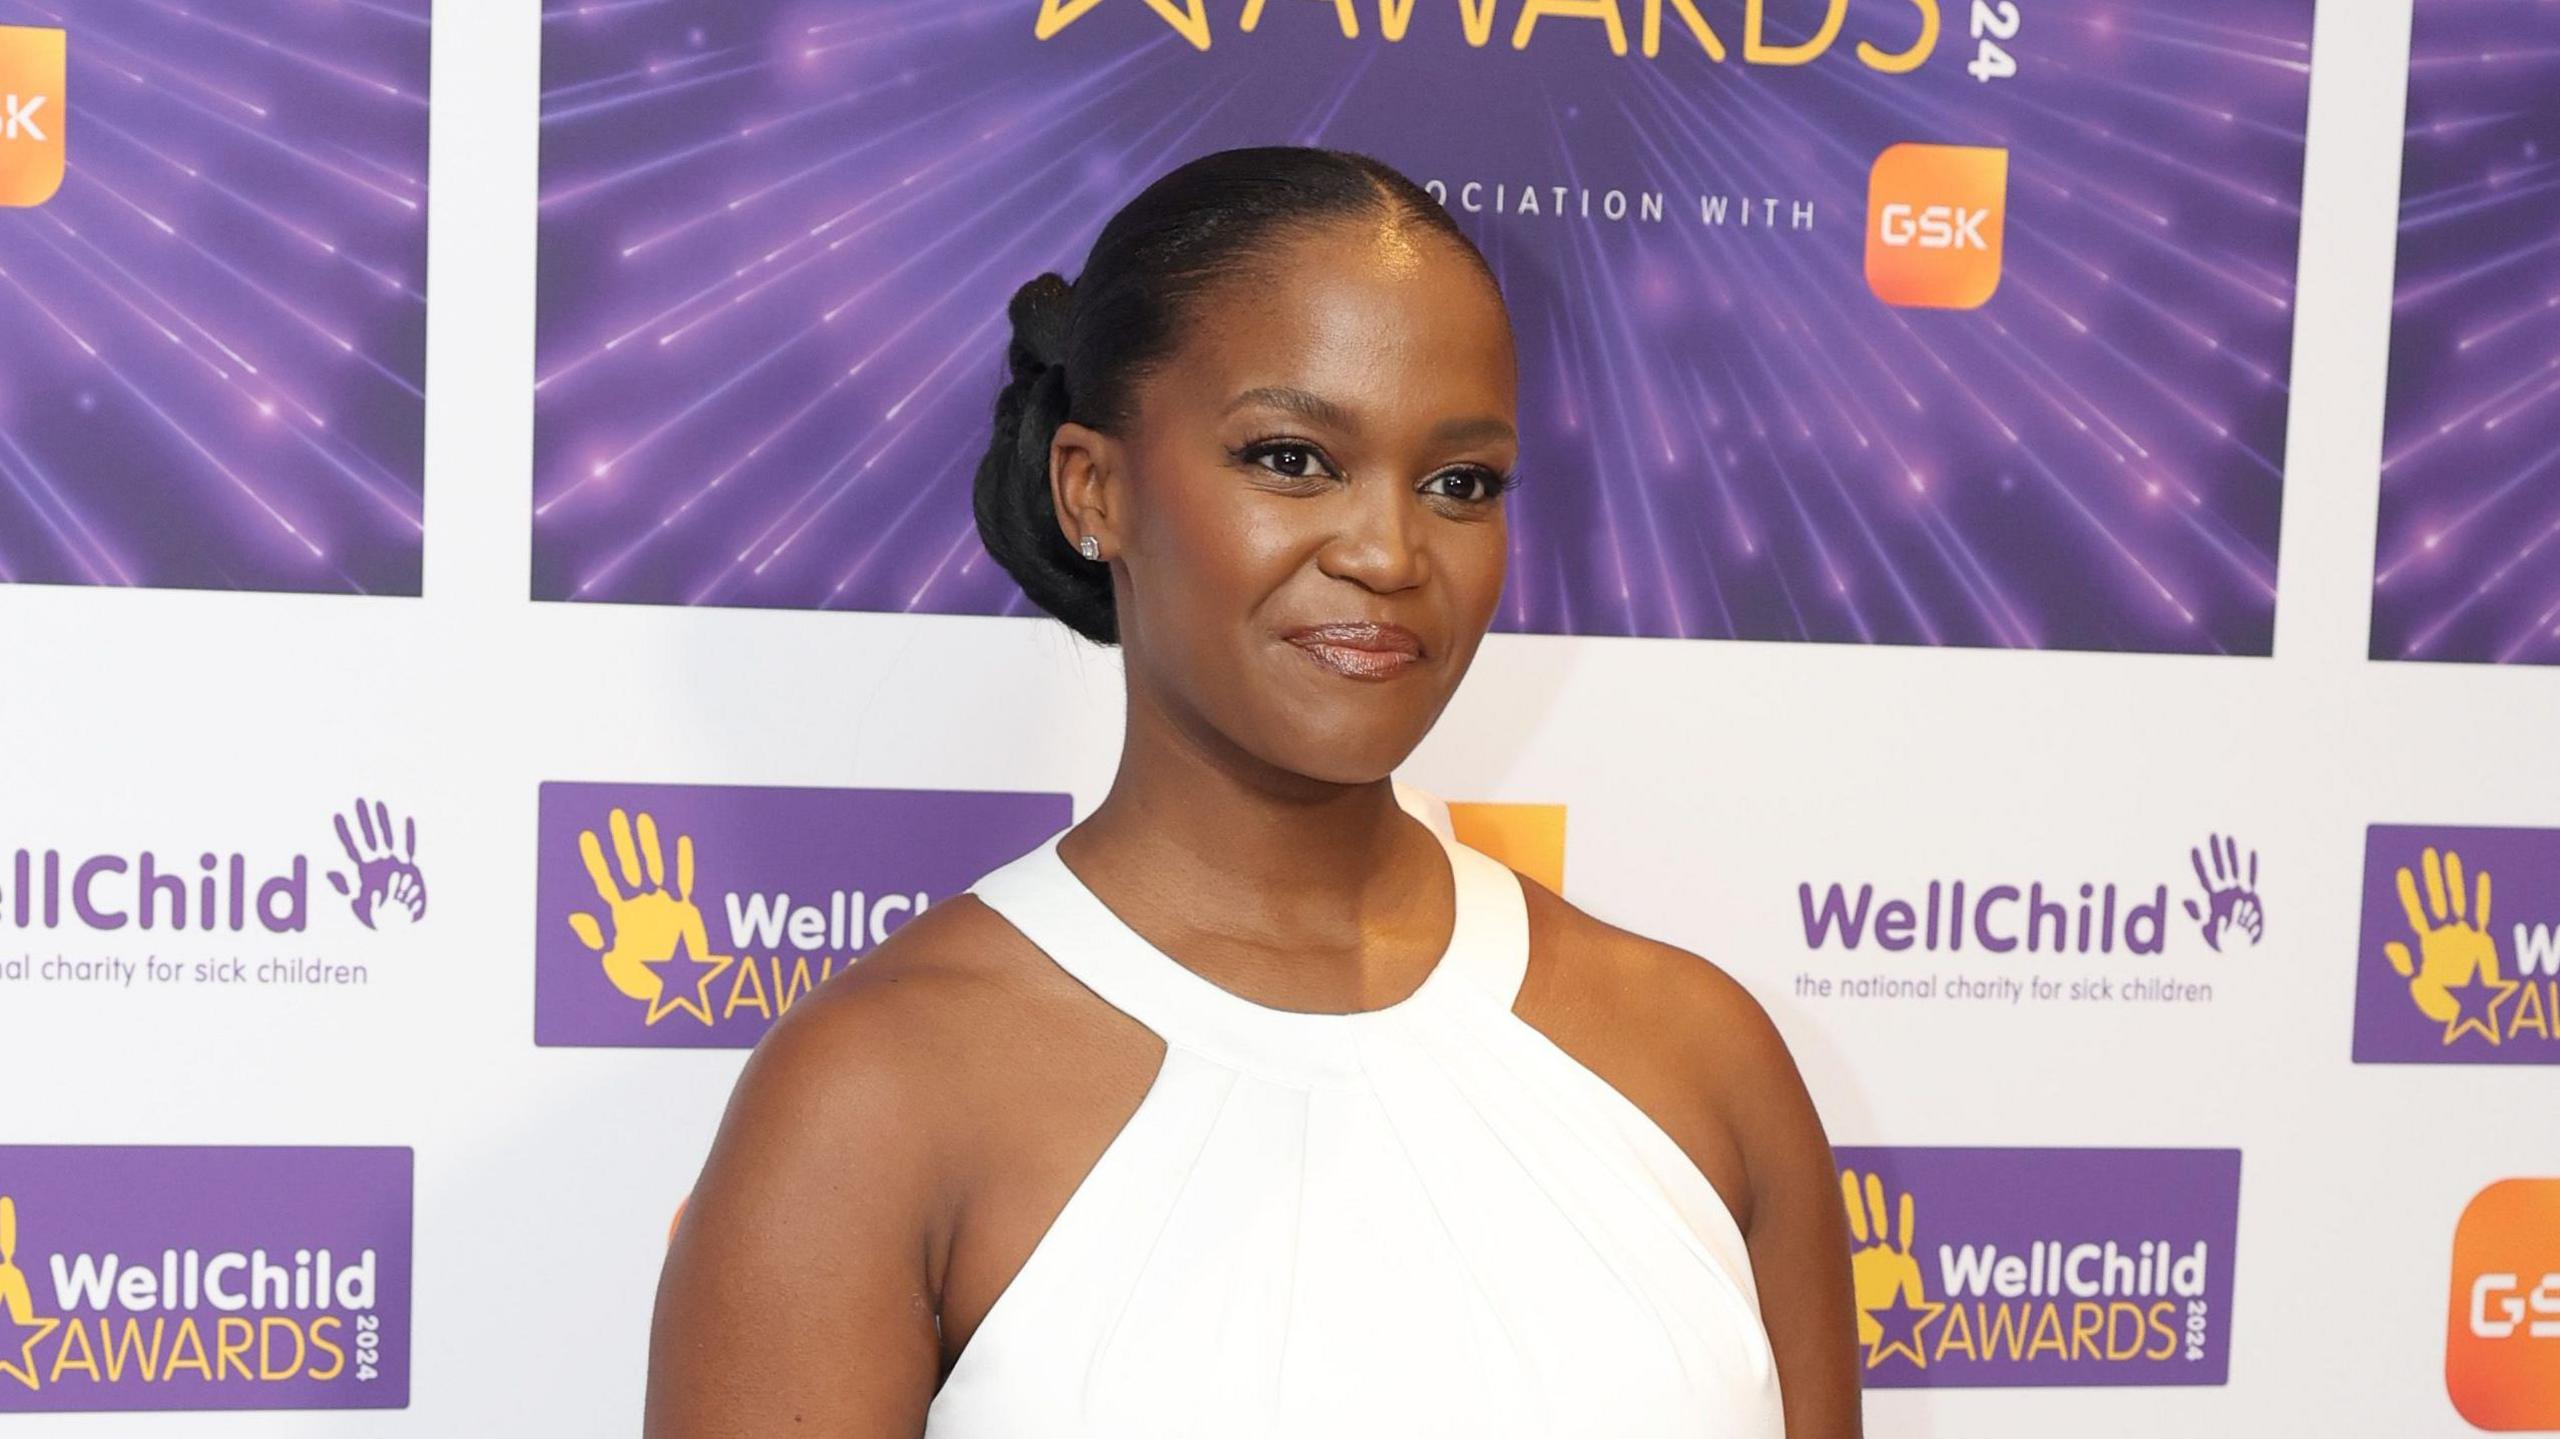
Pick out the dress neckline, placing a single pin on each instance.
(1484, 958)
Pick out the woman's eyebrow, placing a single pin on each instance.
(1308, 406)
(1317, 409)
(1468, 431)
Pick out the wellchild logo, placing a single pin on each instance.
(2502, 1320)
(203, 1278)
(2001, 921)
(46, 890)
(2032, 1267)
(2434, 985)
(696, 915)
(2001, 918)
(173, 917)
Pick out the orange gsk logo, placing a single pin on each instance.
(34, 72)
(2502, 1326)
(1934, 220)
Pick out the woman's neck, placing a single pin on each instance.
(1257, 870)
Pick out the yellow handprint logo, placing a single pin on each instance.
(2453, 978)
(20, 1328)
(1893, 1295)
(660, 951)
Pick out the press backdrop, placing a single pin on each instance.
(2028, 699)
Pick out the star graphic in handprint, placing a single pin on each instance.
(2476, 1006)
(1899, 1325)
(18, 1341)
(684, 981)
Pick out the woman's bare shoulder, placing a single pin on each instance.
(895, 1047)
(822, 1219)
(1675, 1033)
(1682, 1001)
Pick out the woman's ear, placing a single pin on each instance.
(1084, 485)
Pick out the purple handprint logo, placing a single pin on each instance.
(2231, 905)
(387, 891)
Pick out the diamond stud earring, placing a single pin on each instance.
(1089, 547)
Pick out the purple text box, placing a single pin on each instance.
(736, 900)
(2022, 1268)
(204, 1278)
(2437, 980)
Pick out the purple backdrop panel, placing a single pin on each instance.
(777, 237)
(203, 1278)
(217, 327)
(2467, 554)
(2014, 1268)
(2459, 958)
(694, 915)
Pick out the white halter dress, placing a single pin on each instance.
(1420, 1220)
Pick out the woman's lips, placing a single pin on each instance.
(1359, 649)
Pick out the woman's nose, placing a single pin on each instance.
(1380, 537)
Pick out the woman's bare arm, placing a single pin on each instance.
(797, 1297)
(1798, 1233)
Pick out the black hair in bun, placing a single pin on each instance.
(1017, 516)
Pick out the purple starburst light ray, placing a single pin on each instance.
(777, 238)
(217, 328)
(2467, 552)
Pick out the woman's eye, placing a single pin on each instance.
(1289, 456)
(1486, 485)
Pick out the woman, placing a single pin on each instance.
(1250, 1105)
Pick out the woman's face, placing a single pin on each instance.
(1305, 517)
